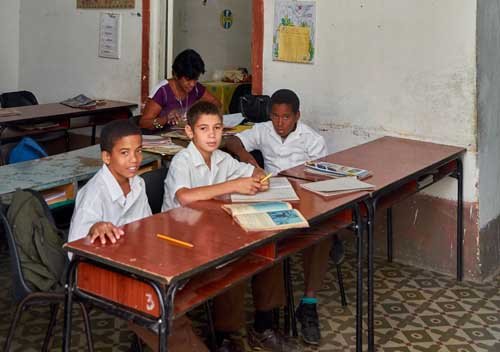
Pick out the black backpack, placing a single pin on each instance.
(255, 108)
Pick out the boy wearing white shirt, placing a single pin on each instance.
(286, 142)
(116, 196)
(202, 172)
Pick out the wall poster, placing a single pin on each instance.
(105, 4)
(294, 31)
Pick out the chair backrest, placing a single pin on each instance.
(19, 98)
(35, 245)
(241, 90)
(154, 187)
(255, 108)
(20, 288)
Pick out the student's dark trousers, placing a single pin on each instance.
(268, 293)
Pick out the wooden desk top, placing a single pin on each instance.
(390, 159)
(54, 110)
(55, 170)
(216, 238)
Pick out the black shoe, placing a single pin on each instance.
(271, 341)
(230, 345)
(337, 253)
(309, 323)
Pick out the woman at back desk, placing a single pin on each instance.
(170, 103)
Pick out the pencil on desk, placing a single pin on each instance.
(265, 178)
(173, 240)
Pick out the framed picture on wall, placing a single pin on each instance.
(105, 4)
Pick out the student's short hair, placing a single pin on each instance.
(116, 130)
(201, 108)
(286, 96)
(188, 64)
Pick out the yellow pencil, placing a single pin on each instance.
(265, 178)
(173, 240)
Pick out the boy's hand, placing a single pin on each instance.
(103, 230)
(259, 173)
(248, 185)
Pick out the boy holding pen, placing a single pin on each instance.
(286, 142)
(116, 196)
(202, 172)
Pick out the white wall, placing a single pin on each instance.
(388, 67)
(489, 109)
(58, 53)
(198, 27)
(9, 45)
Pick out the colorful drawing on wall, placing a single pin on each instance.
(226, 19)
(294, 31)
(105, 4)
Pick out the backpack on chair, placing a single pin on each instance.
(39, 242)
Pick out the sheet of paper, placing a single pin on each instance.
(232, 120)
(294, 44)
(338, 185)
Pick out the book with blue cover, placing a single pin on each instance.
(266, 216)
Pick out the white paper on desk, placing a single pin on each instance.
(280, 189)
(232, 120)
(338, 185)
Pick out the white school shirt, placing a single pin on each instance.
(300, 145)
(102, 199)
(189, 170)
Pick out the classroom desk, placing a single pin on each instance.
(62, 114)
(60, 171)
(401, 167)
(140, 277)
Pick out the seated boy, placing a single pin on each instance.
(116, 196)
(286, 142)
(202, 172)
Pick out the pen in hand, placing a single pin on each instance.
(267, 177)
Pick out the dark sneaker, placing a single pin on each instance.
(337, 253)
(230, 345)
(271, 341)
(309, 323)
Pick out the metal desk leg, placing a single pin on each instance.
(68, 305)
(389, 234)
(165, 317)
(460, 225)
(359, 286)
(369, 222)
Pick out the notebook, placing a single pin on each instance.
(280, 189)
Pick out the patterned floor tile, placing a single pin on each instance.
(415, 310)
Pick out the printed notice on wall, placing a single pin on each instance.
(294, 31)
(105, 4)
(109, 35)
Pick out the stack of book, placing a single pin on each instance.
(335, 170)
(160, 145)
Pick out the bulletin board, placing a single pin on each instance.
(105, 4)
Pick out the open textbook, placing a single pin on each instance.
(338, 186)
(280, 189)
(266, 216)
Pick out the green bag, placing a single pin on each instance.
(39, 242)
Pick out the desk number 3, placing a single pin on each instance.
(150, 304)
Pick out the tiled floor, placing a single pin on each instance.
(415, 310)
